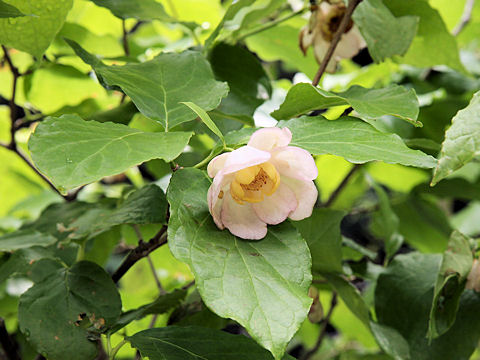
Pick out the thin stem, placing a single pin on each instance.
(116, 349)
(352, 4)
(126, 48)
(340, 187)
(466, 17)
(205, 161)
(141, 251)
(7, 343)
(270, 24)
(323, 330)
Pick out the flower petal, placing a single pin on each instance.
(215, 207)
(268, 138)
(294, 162)
(306, 194)
(320, 48)
(275, 208)
(349, 45)
(241, 220)
(216, 164)
(244, 157)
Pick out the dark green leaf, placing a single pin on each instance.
(9, 11)
(232, 274)
(456, 264)
(73, 152)
(456, 188)
(194, 343)
(24, 239)
(368, 103)
(385, 34)
(158, 86)
(390, 341)
(462, 141)
(49, 311)
(353, 139)
(403, 298)
(163, 304)
(322, 233)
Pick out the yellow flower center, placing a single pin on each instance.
(253, 183)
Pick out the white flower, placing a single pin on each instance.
(262, 183)
(323, 25)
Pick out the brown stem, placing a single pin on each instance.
(125, 39)
(340, 187)
(323, 330)
(7, 343)
(352, 4)
(141, 251)
(466, 17)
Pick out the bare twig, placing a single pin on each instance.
(466, 17)
(141, 251)
(352, 4)
(7, 343)
(323, 330)
(340, 187)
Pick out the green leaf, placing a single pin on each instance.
(433, 44)
(25, 239)
(322, 233)
(73, 152)
(403, 298)
(49, 311)
(368, 103)
(160, 306)
(194, 343)
(390, 341)
(249, 84)
(385, 34)
(21, 261)
(135, 9)
(353, 139)
(456, 264)
(9, 11)
(33, 34)
(157, 87)
(206, 119)
(147, 205)
(261, 284)
(462, 141)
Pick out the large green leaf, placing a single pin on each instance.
(157, 87)
(403, 298)
(385, 34)
(462, 141)
(433, 44)
(9, 11)
(368, 103)
(456, 264)
(322, 233)
(73, 152)
(33, 34)
(353, 139)
(25, 239)
(261, 284)
(136, 9)
(248, 82)
(49, 311)
(194, 343)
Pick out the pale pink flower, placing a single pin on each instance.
(323, 25)
(261, 183)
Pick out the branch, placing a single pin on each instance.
(125, 39)
(142, 250)
(323, 330)
(466, 17)
(340, 187)
(7, 343)
(352, 4)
